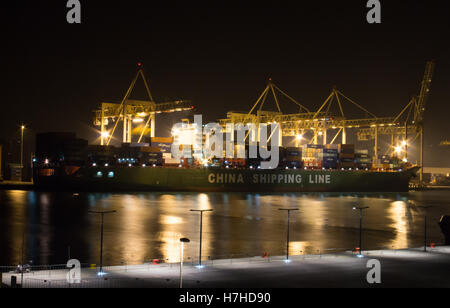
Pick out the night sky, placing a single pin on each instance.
(219, 54)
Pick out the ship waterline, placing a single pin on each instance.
(223, 180)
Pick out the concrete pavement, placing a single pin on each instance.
(399, 268)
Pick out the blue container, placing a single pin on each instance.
(330, 165)
(292, 164)
(314, 146)
(294, 153)
(346, 160)
(165, 147)
(330, 155)
(331, 151)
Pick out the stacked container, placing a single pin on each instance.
(346, 156)
(330, 157)
(396, 163)
(382, 162)
(153, 158)
(313, 156)
(362, 159)
(165, 144)
(292, 157)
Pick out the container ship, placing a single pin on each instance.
(65, 162)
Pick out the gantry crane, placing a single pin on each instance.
(134, 111)
(413, 114)
(319, 122)
(408, 122)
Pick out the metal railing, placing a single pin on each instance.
(49, 276)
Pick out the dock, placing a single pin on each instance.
(399, 268)
(16, 185)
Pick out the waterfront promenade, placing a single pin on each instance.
(399, 268)
(16, 185)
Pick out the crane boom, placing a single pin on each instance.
(420, 110)
(424, 93)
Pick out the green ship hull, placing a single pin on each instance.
(223, 180)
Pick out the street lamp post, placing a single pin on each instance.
(424, 207)
(360, 226)
(287, 234)
(102, 213)
(201, 232)
(182, 241)
(22, 128)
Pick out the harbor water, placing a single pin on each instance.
(51, 227)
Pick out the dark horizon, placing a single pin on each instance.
(220, 56)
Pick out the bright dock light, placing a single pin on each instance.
(138, 120)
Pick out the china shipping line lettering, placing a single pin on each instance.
(262, 178)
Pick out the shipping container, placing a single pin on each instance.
(171, 161)
(294, 164)
(294, 153)
(313, 146)
(361, 155)
(164, 147)
(161, 140)
(293, 158)
(313, 163)
(346, 156)
(332, 146)
(150, 149)
(363, 165)
(330, 155)
(362, 151)
(138, 145)
(347, 165)
(346, 146)
(330, 165)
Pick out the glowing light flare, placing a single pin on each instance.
(105, 134)
(398, 149)
(138, 120)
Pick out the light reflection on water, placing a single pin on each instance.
(149, 225)
(398, 213)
